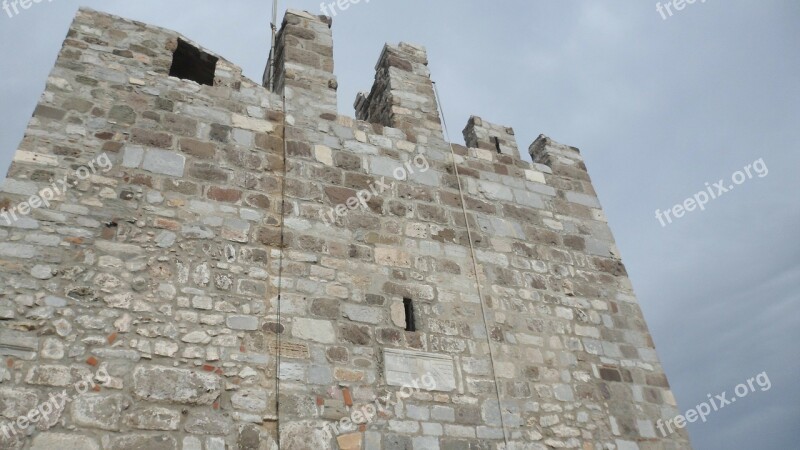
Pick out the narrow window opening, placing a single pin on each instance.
(497, 144)
(191, 63)
(409, 308)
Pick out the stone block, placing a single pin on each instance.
(164, 162)
(153, 418)
(306, 435)
(323, 154)
(19, 187)
(583, 199)
(136, 441)
(13, 250)
(249, 123)
(19, 344)
(321, 331)
(99, 411)
(254, 400)
(55, 375)
(208, 422)
(182, 386)
(364, 314)
(132, 156)
(350, 441)
(63, 441)
(242, 323)
(16, 402)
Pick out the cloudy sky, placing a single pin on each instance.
(658, 108)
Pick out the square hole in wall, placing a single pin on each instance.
(191, 63)
(408, 306)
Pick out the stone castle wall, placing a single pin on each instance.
(231, 267)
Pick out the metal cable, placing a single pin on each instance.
(474, 264)
(274, 28)
(280, 284)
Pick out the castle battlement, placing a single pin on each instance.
(231, 264)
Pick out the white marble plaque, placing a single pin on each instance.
(407, 368)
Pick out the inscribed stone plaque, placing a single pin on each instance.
(407, 368)
(289, 350)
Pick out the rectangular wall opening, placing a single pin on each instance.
(497, 144)
(409, 309)
(191, 63)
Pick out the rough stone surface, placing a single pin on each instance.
(62, 441)
(164, 162)
(233, 232)
(175, 385)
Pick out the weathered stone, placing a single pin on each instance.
(365, 314)
(305, 435)
(42, 272)
(21, 251)
(249, 123)
(153, 418)
(207, 422)
(151, 139)
(166, 239)
(326, 308)
(164, 162)
(254, 400)
(219, 132)
(221, 194)
(175, 385)
(132, 156)
(16, 402)
(52, 375)
(397, 442)
(242, 323)
(241, 236)
(355, 334)
(122, 114)
(98, 411)
(48, 112)
(314, 330)
(52, 349)
(398, 314)
(143, 442)
(196, 337)
(63, 441)
(202, 150)
(192, 443)
(350, 441)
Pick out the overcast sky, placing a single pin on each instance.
(657, 107)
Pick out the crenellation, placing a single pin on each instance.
(480, 134)
(562, 159)
(403, 95)
(227, 276)
(303, 69)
